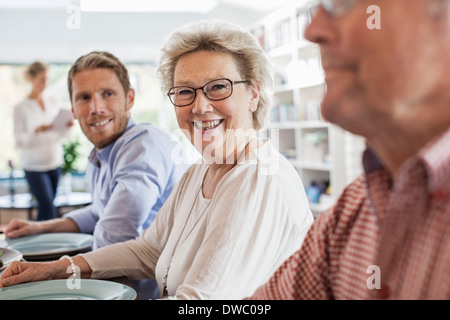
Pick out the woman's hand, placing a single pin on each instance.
(19, 272)
(43, 128)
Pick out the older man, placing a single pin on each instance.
(388, 237)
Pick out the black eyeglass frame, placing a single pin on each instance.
(169, 94)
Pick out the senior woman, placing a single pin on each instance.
(234, 217)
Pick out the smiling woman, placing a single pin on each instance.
(213, 121)
(226, 225)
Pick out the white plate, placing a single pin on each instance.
(89, 289)
(9, 256)
(49, 245)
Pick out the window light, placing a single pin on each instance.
(198, 6)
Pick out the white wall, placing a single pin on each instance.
(27, 35)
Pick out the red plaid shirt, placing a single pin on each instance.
(382, 240)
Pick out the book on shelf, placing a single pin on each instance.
(259, 34)
(311, 110)
(284, 112)
(288, 112)
(279, 35)
(303, 21)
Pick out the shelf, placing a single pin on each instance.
(284, 51)
(283, 88)
(287, 50)
(317, 165)
(314, 124)
(284, 125)
(304, 44)
(296, 115)
(298, 125)
(306, 85)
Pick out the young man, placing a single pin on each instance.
(388, 237)
(131, 169)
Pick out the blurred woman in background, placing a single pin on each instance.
(41, 147)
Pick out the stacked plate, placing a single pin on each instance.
(85, 289)
(49, 246)
(8, 256)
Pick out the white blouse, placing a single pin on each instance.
(219, 248)
(39, 151)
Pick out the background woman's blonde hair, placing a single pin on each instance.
(218, 36)
(35, 68)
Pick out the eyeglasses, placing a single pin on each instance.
(335, 8)
(215, 90)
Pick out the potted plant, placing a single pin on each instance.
(71, 156)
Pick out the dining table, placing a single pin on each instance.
(25, 201)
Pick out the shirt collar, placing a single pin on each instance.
(371, 162)
(435, 157)
(98, 155)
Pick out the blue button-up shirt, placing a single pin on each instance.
(129, 180)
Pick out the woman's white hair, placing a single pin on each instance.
(218, 36)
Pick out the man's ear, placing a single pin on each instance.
(130, 99)
(73, 113)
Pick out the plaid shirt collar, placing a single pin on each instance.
(435, 157)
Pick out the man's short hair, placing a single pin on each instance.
(99, 59)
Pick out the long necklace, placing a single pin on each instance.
(164, 278)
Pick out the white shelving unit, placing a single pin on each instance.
(316, 148)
